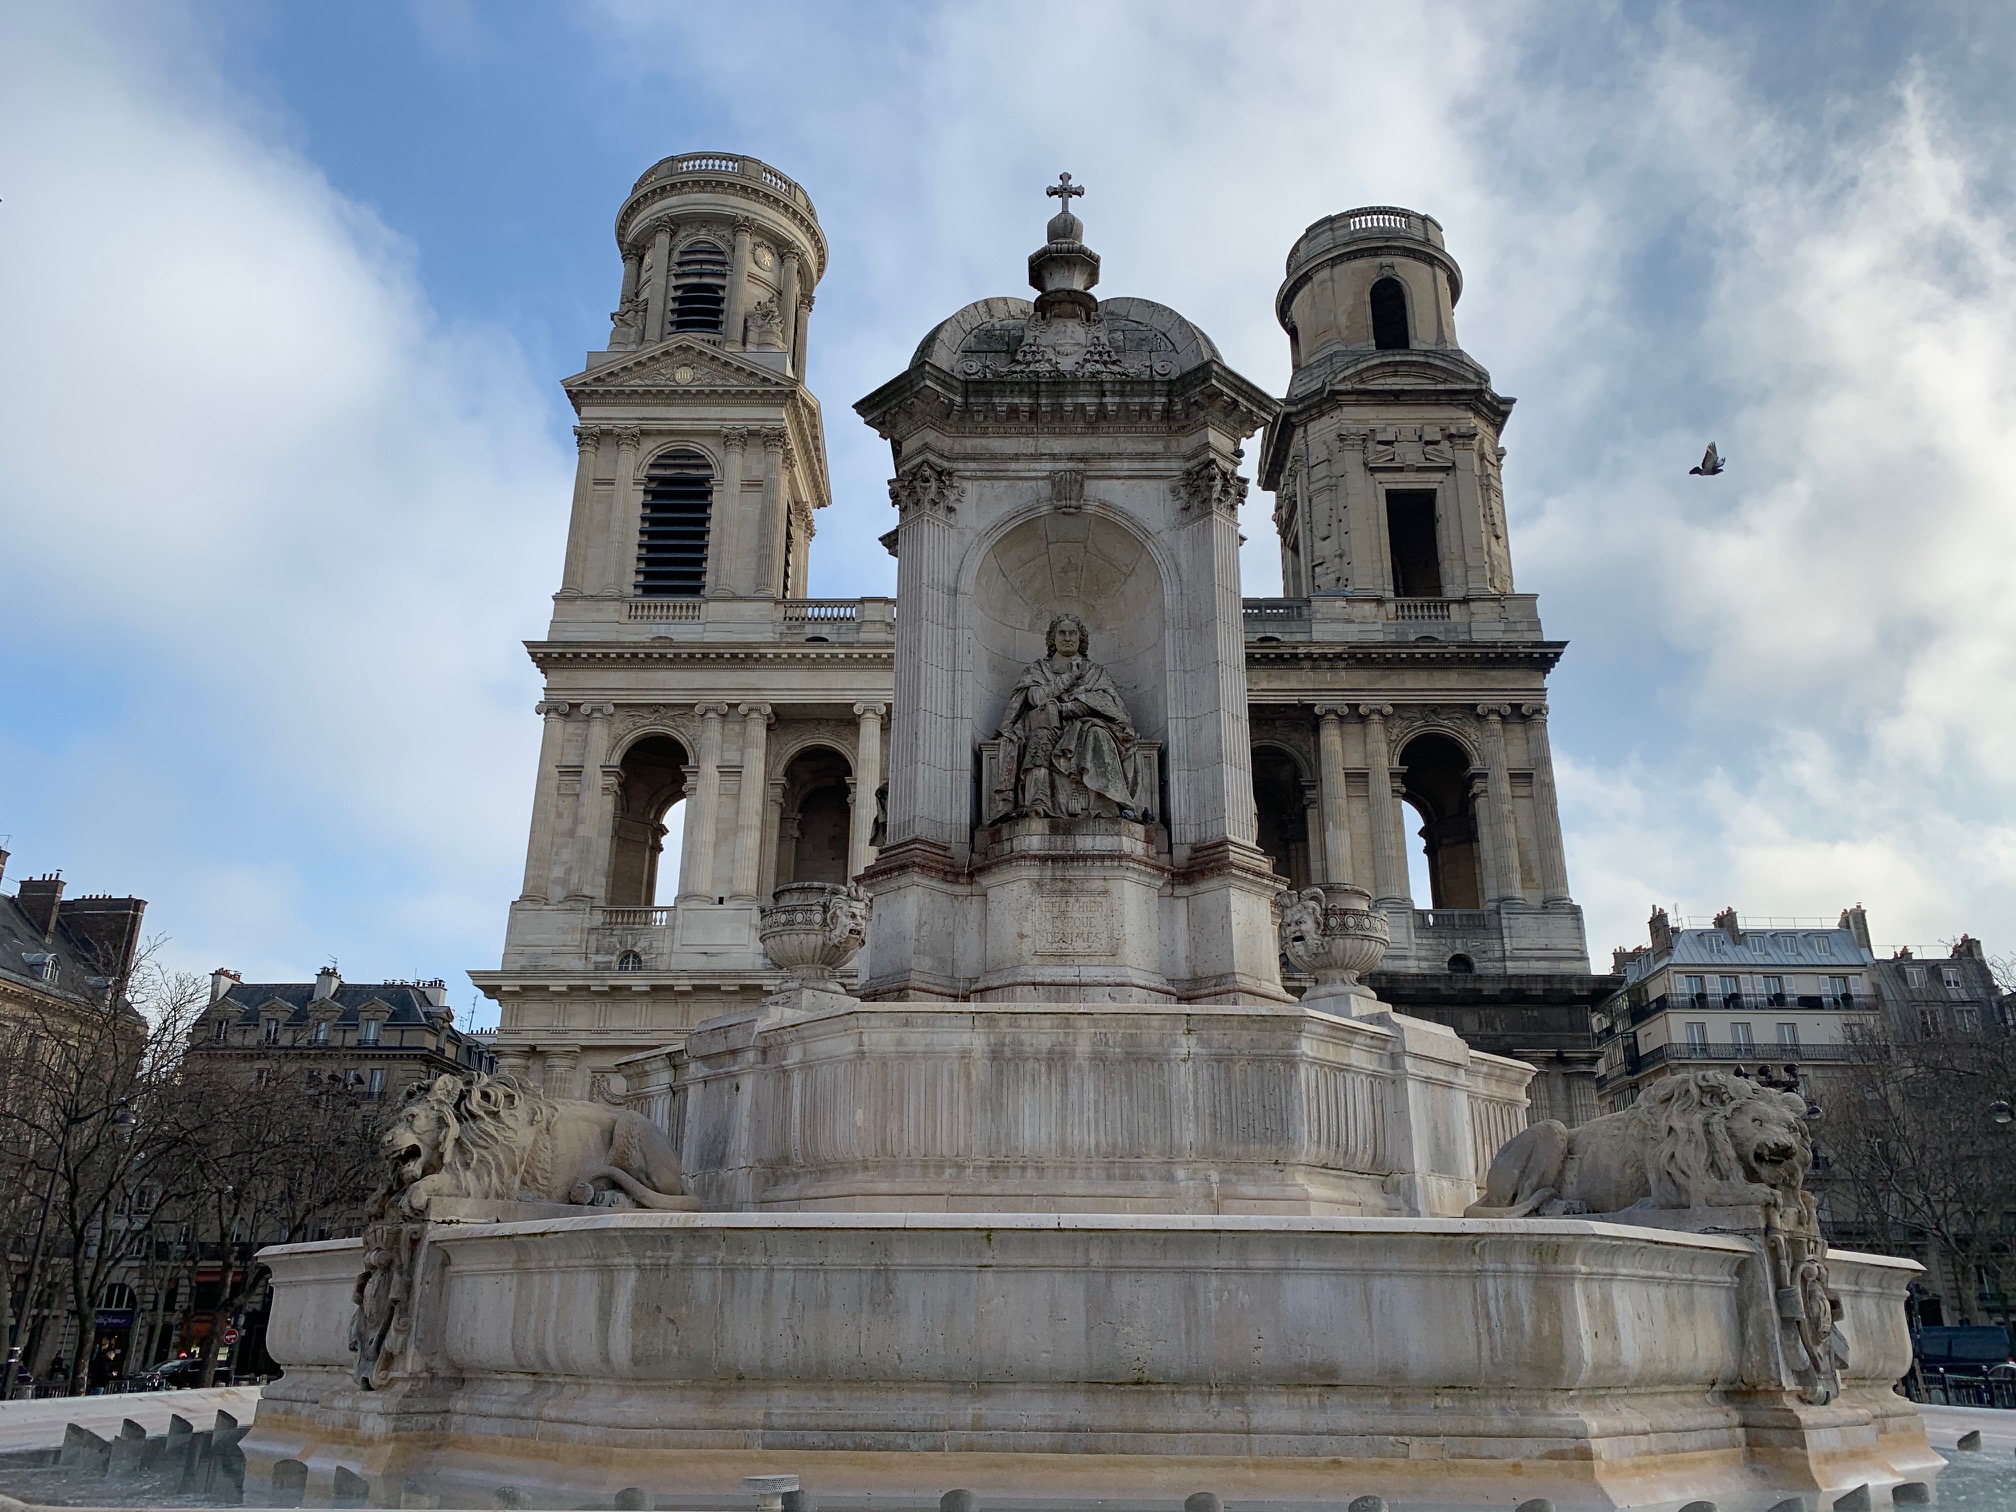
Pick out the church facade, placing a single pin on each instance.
(1398, 685)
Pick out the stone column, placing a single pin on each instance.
(1336, 811)
(1389, 844)
(769, 552)
(580, 520)
(738, 283)
(787, 306)
(545, 795)
(513, 1062)
(725, 526)
(756, 722)
(619, 553)
(1502, 854)
(773, 826)
(696, 870)
(800, 333)
(867, 777)
(590, 809)
(928, 766)
(1553, 855)
(659, 294)
(563, 1073)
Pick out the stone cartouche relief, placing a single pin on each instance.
(1067, 740)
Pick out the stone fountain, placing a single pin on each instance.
(1032, 1178)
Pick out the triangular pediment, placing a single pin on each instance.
(681, 365)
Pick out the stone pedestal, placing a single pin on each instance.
(1077, 1107)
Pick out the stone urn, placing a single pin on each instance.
(812, 929)
(1333, 933)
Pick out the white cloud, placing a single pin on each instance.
(290, 524)
(1783, 687)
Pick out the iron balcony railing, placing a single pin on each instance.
(1750, 1002)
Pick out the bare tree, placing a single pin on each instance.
(273, 1151)
(88, 1139)
(1918, 1163)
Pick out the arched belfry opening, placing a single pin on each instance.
(643, 868)
(1283, 811)
(813, 824)
(1389, 316)
(700, 288)
(673, 530)
(1435, 774)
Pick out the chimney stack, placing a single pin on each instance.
(327, 980)
(110, 927)
(222, 980)
(1856, 922)
(3, 863)
(39, 898)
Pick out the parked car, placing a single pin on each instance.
(171, 1375)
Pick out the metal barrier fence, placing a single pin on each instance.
(1961, 1388)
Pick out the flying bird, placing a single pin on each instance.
(1711, 464)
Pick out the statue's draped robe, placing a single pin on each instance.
(1067, 743)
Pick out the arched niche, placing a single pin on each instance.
(1081, 563)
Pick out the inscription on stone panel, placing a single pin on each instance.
(1077, 924)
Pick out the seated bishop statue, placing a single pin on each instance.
(1067, 745)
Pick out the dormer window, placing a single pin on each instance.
(218, 1029)
(700, 288)
(269, 1031)
(367, 1031)
(44, 967)
(321, 1035)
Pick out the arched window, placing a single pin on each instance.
(817, 817)
(700, 289)
(1461, 965)
(672, 537)
(1436, 779)
(630, 960)
(1389, 316)
(1282, 812)
(649, 824)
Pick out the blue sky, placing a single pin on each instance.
(284, 463)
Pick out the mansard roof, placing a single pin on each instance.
(406, 1004)
(23, 950)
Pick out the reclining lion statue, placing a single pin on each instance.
(482, 1138)
(1699, 1139)
(489, 1137)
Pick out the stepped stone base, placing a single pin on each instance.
(1025, 1356)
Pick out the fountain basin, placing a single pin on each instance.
(1117, 1355)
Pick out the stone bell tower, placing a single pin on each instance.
(1054, 834)
(1400, 685)
(702, 456)
(690, 685)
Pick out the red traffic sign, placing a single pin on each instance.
(230, 1336)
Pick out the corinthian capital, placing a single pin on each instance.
(587, 437)
(926, 487)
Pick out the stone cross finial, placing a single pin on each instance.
(1063, 189)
